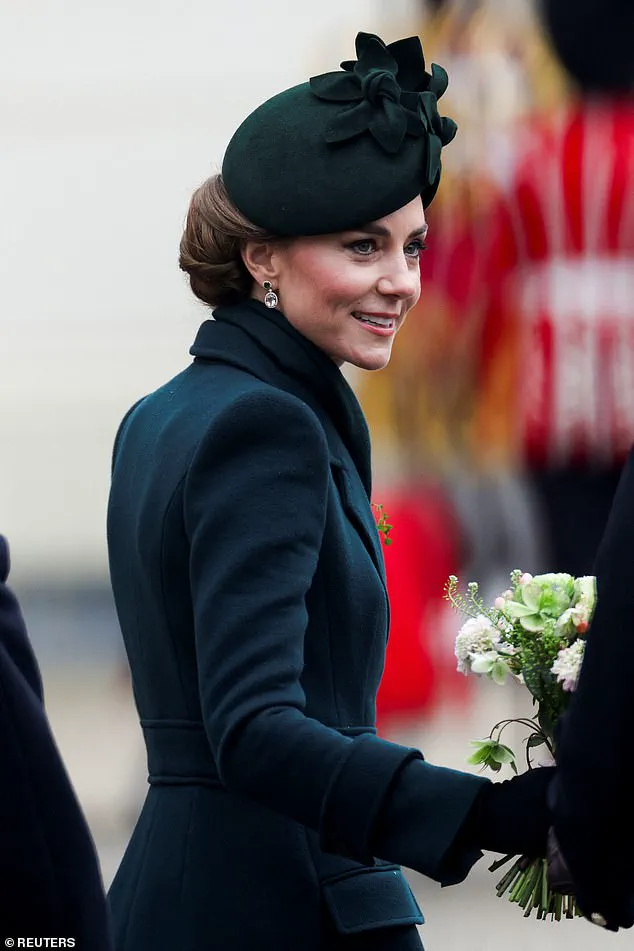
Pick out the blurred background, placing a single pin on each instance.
(499, 428)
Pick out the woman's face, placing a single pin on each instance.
(349, 293)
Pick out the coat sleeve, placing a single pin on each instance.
(593, 790)
(255, 510)
(50, 881)
(13, 636)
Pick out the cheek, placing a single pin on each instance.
(417, 293)
(345, 286)
(326, 279)
(308, 278)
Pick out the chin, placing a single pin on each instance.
(370, 361)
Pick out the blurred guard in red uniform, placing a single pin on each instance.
(560, 273)
(592, 801)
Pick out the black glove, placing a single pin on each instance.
(512, 817)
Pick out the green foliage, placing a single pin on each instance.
(471, 604)
(382, 524)
(535, 740)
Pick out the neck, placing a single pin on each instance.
(255, 296)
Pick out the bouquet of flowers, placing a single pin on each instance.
(533, 633)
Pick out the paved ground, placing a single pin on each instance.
(95, 724)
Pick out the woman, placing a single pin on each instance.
(246, 563)
(50, 882)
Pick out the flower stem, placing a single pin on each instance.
(500, 862)
(526, 883)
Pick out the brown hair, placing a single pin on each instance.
(210, 249)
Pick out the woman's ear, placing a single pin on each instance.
(258, 260)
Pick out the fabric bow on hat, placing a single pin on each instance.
(390, 95)
(373, 125)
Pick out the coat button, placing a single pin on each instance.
(598, 919)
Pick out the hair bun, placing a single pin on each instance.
(211, 246)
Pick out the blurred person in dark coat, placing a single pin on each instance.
(592, 795)
(50, 881)
(246, 563)
(593, 820)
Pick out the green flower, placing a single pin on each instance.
(493, 754)
(538, 600)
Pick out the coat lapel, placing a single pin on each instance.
(360, 515)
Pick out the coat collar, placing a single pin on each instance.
(263, 342)
(298, 358)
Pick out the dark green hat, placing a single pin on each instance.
(345, 148)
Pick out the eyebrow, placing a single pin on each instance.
(386, 233)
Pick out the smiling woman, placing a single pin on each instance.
(370, 274)
(347, 293)
(246, 564)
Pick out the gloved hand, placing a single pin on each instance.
(513, 816)
(613, 902)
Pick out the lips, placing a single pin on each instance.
(384, 321)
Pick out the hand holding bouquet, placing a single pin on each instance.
(533, 633)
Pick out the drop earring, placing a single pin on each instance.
(270, 298)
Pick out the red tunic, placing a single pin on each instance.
(561, 262)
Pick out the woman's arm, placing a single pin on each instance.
(255, 505)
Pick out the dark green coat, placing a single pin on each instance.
(249, 582)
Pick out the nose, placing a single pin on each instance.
(401, 279)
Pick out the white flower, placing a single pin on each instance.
(476, 636)
(567, 667)
(573, 621)
(586, 589)
(492, 664)
(506, 628)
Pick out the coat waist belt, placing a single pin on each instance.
(179, 754)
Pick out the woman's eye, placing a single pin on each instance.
(364, 246)
(414, 248)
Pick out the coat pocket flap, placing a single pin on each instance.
(371, 898)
